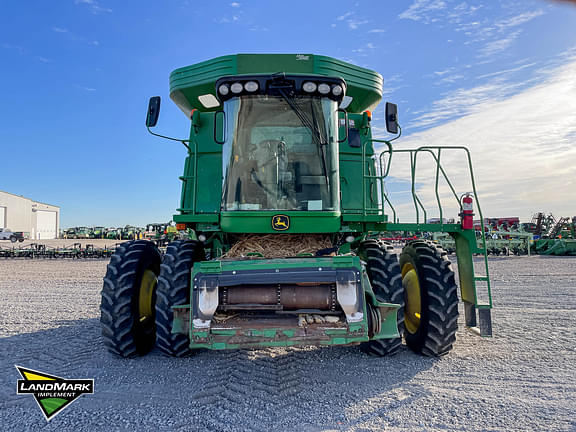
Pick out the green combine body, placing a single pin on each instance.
(283, 195)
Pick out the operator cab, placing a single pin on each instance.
(280, 149)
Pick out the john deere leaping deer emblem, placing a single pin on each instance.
(280, 222)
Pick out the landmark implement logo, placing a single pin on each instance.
(52, 393)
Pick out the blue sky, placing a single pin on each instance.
(497, 76)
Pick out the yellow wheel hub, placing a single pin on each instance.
(145, 295)
(413, 307)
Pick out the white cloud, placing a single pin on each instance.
(343, 17)
(258, 28)
(464, 101)
(424, 11)
(59, 30)
(235, 4)
(17, 48)
(352, 22)
(228, 19)
(499, 45)
(519, 19)
(522, 148)
(506, 71)
(450, 79)
(444, 72)
(93, 6)
(497, 36)
(88, 89)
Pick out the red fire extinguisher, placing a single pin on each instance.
(467, 214)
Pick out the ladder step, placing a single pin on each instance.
(481, 278)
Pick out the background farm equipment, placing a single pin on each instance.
(76, 233)
(554, 236)
(161, 233)
(75, 251)
(97, 232)
(113, 233)
(498, 242)
(130, 232)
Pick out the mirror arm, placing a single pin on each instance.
(183, 141)
(397, 136)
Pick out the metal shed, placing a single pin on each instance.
(35, 219)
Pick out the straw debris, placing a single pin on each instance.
(278, 245)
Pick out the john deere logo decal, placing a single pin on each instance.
(280, 222)
(52, 393)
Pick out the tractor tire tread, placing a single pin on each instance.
(438, 330)
(174, 289)
(384, 274)
(116, 315)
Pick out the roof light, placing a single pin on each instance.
(209, 101)
(223, 89)
(251, 86)
(337, 90)
(236, 88)
(324, 88)
(309, 87)
(346, 101)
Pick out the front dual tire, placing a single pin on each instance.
(140, 288)
(128, 297)
(423, 283)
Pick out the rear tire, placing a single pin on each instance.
(431, 312)
(128, 298)
(384, 273)
(174, 289)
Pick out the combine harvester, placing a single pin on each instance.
(283, 194)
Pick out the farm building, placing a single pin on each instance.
(35, 219)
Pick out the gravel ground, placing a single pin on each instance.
(521, 379)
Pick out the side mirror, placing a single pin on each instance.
(391, 118)
(219, 127)
(153, 111)
(342, 126)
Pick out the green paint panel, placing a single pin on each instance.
(222, 332)
(187, 83)
(268, 264)
(261, 222)
(277, 337)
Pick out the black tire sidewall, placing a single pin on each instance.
(144, 335)
(410, 256)
(172, 292)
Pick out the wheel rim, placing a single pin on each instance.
(413, 307)
(145, 295)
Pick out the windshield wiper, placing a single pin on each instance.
(322, 141)
(317, 136)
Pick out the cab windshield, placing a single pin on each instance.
(280, 153)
